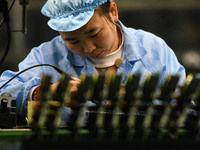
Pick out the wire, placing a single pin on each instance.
(11, 6)
(8, 44)
(6, 19)
(55, 67)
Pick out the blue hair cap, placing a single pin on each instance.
(70, 15)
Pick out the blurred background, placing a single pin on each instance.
(175, 21)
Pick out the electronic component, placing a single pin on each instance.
(124, 115)
(8, 117)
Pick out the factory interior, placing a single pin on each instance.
(177, 22)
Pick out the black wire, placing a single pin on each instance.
(11, 6)
(55, 67)
(6, 19)
(8, 44)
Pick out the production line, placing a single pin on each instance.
(134, 116)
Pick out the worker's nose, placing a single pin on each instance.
(89, 46)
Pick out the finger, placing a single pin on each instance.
(75, 79)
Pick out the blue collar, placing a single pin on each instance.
(133, 49)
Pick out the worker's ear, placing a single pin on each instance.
(114, 12)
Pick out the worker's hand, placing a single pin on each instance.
(73, 88)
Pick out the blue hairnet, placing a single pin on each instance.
(69, 15)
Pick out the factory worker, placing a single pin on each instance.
(92, 40)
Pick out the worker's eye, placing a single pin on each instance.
(95, 35)
(74, 42)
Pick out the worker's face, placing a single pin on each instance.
(97, 38)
